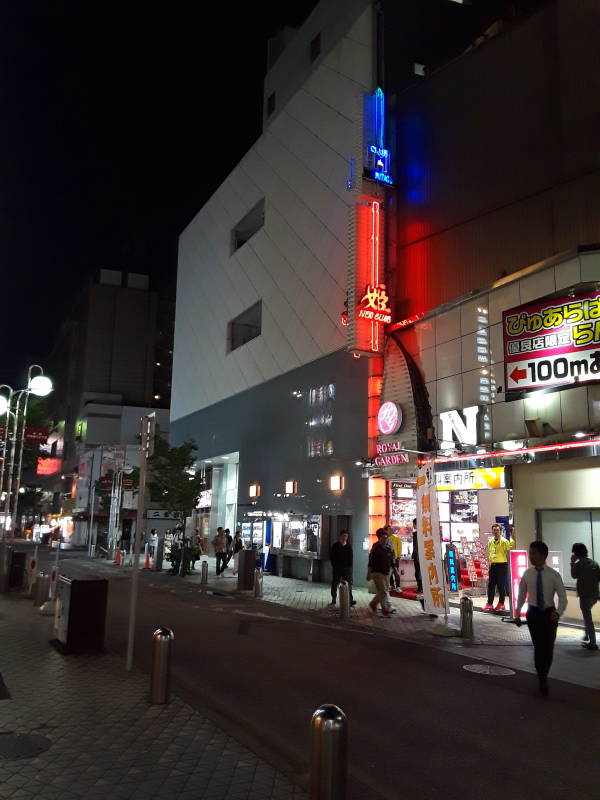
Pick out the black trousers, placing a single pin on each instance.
(221, 562)
(543, 633)
(343, 574)
(497, 578)
(418, 574)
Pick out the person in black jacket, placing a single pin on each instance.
(341, 564)
(380, 564)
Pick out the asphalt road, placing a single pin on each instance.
(420, 726)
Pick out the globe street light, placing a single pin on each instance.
(5, 403)
(41, 386)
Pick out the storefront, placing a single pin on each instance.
(510, 379)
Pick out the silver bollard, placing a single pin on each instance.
(258, 582)
(344, 591)
(328, 754)
(160, 676)
(466, 617)
(41, 589)
(204, 573)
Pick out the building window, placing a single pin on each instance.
(315, 48)
(270, 104)
(419, 69)
(248, 225)
(245, 327)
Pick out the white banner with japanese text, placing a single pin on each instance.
(430, 542)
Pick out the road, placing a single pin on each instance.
(419, 724)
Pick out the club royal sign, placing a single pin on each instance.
(552, 343)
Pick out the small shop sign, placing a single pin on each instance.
(471, 479)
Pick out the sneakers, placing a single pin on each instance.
(589, 646)
(385, 613)
(500, 607)
(488, 607)
(332, 603)
(585, 638)
(373, 607)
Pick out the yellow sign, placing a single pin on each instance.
(470, 479)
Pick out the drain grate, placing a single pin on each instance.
(22, 745)
(488, 669)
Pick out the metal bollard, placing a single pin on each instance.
(41, 589)
(328, 754)
(160, 675)
(466, 617)
(258, 582)
(344, 590)
(204, 573)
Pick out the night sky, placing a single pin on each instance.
(118, 122)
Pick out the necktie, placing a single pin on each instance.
(539, 590)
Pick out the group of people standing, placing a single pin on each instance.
(227, 547)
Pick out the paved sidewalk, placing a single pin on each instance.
(98, 738)
(495, 641)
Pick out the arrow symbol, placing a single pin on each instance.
(518, 374)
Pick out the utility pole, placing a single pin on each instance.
(146, 450)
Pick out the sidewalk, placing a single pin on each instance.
(494, 641)
(79, 727)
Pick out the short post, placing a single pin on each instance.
(466, 617)
(328, 754)
(160, 675)
(344, 591)
(204, 574)
(258, 582)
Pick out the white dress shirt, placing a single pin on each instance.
(551, 583)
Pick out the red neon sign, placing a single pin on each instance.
(542, 448)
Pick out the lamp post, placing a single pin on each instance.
(40, 385)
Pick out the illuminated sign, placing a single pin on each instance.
(377, 158)
(552, 343)
(452, 565)
(48, 466)
(429, 543)
(374, 305)
(205, 499)
(389, 447)
(391, 460)
(518, 562)
(472, 479)
(389, 419)
(456, 429)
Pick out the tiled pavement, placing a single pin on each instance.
(105, 740)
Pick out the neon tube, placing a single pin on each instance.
(542, 448)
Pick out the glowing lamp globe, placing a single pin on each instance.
(40, 386)
(3, 405)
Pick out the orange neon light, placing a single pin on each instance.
(374, 268)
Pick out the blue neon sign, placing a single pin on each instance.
(452, 568)
(377, 161)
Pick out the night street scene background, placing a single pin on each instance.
(300, 400)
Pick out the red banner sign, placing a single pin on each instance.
(552, 343)
(48, 466)
(32, 435)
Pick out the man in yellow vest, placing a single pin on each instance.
(498, 548)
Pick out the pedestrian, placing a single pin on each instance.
(238, 544)
(194, 549)
(395, 545)
(539, 584)
(219, 543)
(587, 574)
(229, 539)
(380, 563)
(498, 548)
(175, 556)
(415, 558)
(341, 558)
(153, 542)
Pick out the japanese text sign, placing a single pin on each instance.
(430, 543)
(461, 479)
(552, 343)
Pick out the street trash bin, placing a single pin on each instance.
(16, 576)
(80, 619)
(41, 589)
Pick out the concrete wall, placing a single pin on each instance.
(296, 263)
(499, 165)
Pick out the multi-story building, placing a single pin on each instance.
(111, 364)
(275, 376)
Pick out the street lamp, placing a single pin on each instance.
(41, 386)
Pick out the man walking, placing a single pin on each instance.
(380, 563)
(415, 558)
(341, 558)
(587, 574)
(220, 546)
(498, 548)
(539, 584)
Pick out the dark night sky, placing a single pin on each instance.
(118, 120)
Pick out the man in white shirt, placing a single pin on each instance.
(539, 584)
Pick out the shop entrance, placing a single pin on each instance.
(561, 528)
